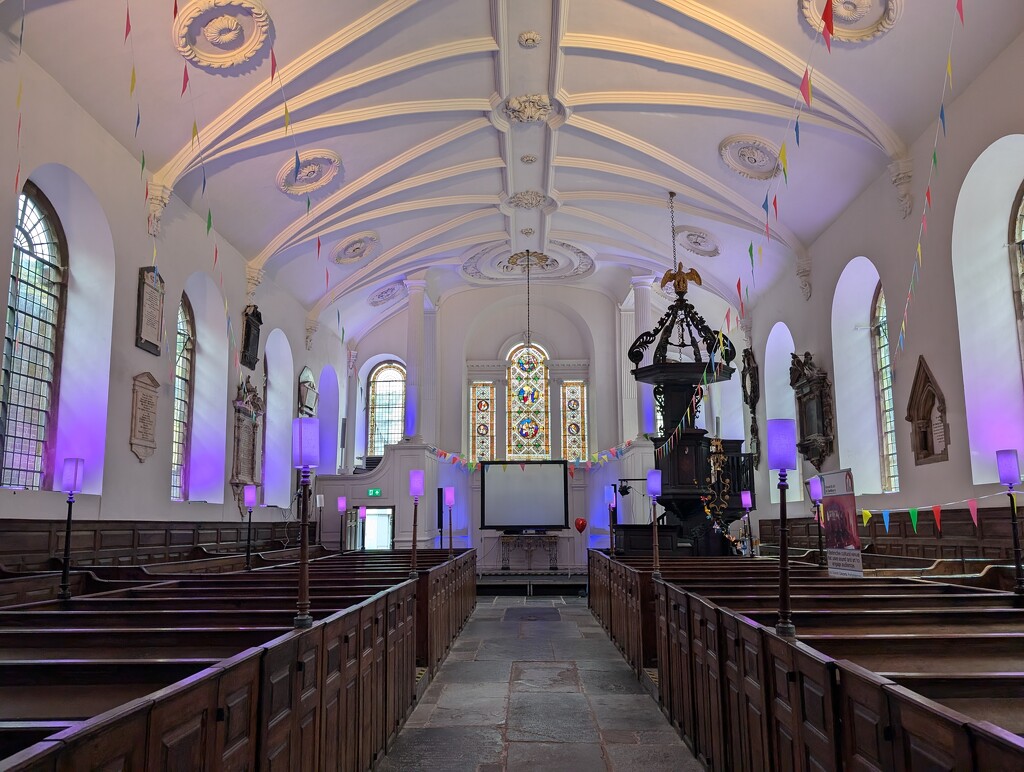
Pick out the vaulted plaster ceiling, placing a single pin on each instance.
(439, 138)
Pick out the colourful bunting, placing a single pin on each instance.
(523, 467)
(209, 221)
(913, 518)
(919, 253)
(295, 176)
(937, 511)
(202, 192)
(942, 118)
(949, 70)
(796, 130)
(184, 81)
(138, 119)
(143, 164)
(924, 224)
(273, 65)
(127, 23)
(317, 247)
(764, 206)
(571, 474)
(775, 206)
(928, 196)
(21, 91)
(131, 85)
(175, 9)
(960, 10)
(885, 519)
(195, 132)
(972, 504)
(805, 87)
(865, 514)
(760, 252)
(327, 279)
(827, 28)
(287, 118)
(783, 161)
(935, 158)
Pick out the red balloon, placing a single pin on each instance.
(581, 524)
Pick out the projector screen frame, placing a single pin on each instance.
(522, 528)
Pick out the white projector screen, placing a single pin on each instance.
(524, 495)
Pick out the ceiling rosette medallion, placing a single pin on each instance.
(752, 157)
(855, 21)
(316, 170)
(697, 241)
(527, 199)
(221, 35)
(392, 292)
(356, 248)
(529, 39)
(528, 108)
(495, 262)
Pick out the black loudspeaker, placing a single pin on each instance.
(440, 510)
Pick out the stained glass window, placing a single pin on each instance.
(528, 430)
(574, 421)
(184, 372)
(385, 407)
(481, 420)
(31, 354)
(883, 382)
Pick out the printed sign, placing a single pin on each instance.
(839, 513)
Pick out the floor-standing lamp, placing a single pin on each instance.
(74, 473)
(654, 490)
(343, 516)
(415, 490)
(745, 501)
(815, 491)
(320, 517)
(609, 499)
(305, 456)
(362, 527)
(782, 458)
(249, 498)
(1009, 475)
(449, 501)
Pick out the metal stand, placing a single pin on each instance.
(821, 542)
(303, 619)
(451, 552)
(64, 593)
(1015, 527)
(248, 542)
(613, 518)
(785, 624)
(413, 573)
(656, 574)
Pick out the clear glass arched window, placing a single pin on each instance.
(529, 432)
(1017, 265)
(385, 407)
(883, 388)
(184, 381)
(29, 375)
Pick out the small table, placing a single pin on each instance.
(529, 543)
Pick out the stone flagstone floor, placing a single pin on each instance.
(534, 684)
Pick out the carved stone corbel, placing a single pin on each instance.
(159, 198)
(253, 279)
(803, 275)
(901, 174)
(311, 327)
(353, 356)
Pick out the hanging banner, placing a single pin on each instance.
(839, 508)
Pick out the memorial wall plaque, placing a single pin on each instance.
(149, 319)
(144, 404)
(249, 408)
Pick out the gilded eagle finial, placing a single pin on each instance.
(680, 278)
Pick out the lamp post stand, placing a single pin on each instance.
(785, 624)
(1018, 587)
(413, 573)
(656, 574)
(303, 619)
(248, 542)
(451, 551)
(821, 542)
(64, 593)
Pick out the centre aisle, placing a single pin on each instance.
(534, 684)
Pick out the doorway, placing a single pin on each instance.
(380, 528)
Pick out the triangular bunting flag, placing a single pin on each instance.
(728, 320)
(215, 254)
(571, 473)
(796, 130)
(143, 164)
(131, 85)
(203, 191)
(175, 9)
(764, 206)
(614, 452)
(783, 161)
(750, 251)
(523, 467)
(209, 221)
(327, 279)
(919, 252)
(17, 97)
(309, 203)
(928, 196)
(827, 28)
(960, 10)
(184, 81)
(287, 117)
(775, 206)
(935, 158)
(295, 174)
(805, 87)
(317, 247)
(937, 511)
(865, 514)
(972, 504)
(885, 519)
(127, 23)
(949, 70)
(138, 119)
(195, 132)
(273, 65)
(924, 224)
(913, 519)
(942, 118)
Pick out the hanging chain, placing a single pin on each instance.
(672, 223)
(528, 298)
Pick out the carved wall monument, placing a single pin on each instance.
(750, 381)
(245, 467)
(149, 315)
(813, 391)
(252, 321)
(143, 428)
(926, 412)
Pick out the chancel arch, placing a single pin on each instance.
(990, 353)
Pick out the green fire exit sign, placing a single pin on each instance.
(373, 492)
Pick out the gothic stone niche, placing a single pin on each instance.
(926, 411)
(249, 409)
(813, 392)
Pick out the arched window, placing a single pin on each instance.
(184, 378)
(883, 389)
(574, 420)
(481, 420)
(1017, 264)
(385, 407)
(31, 358)
(529, 434)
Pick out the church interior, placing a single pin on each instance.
(578, 384)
